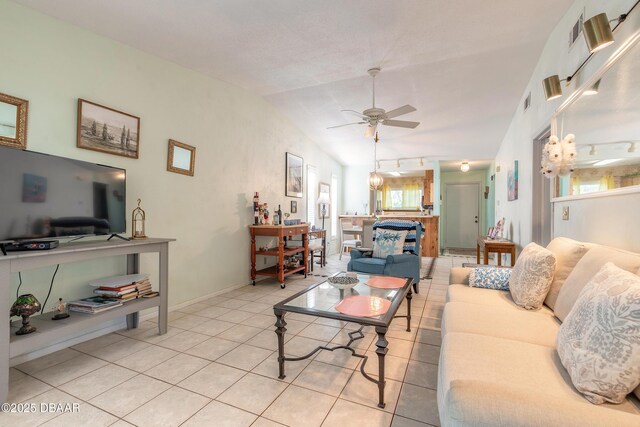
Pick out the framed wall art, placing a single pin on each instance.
(512, 182)
(181, 158)
(107, 130)
(293, 176)
(13, 121)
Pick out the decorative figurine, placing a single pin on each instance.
(26, 305)
(61, 311)
(137, 223)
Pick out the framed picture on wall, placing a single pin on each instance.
(293, 176)
(512, 182)
(107, 130)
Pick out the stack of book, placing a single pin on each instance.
(93, 305)
(125, 292)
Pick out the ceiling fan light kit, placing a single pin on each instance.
(374, 116)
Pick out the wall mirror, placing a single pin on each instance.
(604, 115)
(13, 121)
(181, 158)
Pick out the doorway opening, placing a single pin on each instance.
(541, 212)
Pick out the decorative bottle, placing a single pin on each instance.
(279, 212)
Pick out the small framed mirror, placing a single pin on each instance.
(13, 121)
(181, 158)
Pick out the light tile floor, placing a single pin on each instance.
(217, 367)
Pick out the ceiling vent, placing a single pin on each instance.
(576, 30)
(527, 102)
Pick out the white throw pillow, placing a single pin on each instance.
(531, 276)
(568, 252)
(388, 242)
(599, 341)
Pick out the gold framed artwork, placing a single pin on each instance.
(13, 121)
(181, 158)
(107, 130)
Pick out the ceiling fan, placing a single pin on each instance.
(373, 116)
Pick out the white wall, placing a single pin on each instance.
(525, 126)
(240, 139)
(356, 189)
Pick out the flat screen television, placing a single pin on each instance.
(50, 197)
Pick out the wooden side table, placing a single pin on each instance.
(282, 232)
(499, 246)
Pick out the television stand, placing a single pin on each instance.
(118, 236)
(57, 332)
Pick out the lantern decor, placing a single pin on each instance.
(375, 179)
(558, 157)
(137, 223)
(26, 305)
(61, 311)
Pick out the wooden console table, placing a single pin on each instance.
(282, 232)
(499, 246)
(49, 331)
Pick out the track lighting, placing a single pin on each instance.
(552, 89)
(597, 32)
(397, 163)
(421, 161)
(464, 167)
(593, 150)
(632, 148)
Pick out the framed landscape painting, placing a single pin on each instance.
(107, 130)
(293, 176)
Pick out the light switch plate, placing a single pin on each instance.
(565, 213)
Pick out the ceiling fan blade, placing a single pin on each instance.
(370, 131)
(347, 124)
(400, 111)
(355, 113)
(401, 123)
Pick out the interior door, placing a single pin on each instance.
(462, 210)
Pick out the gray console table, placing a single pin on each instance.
(49, 331)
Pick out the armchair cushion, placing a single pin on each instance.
(367, 265)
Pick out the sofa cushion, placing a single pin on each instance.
(490, 297)
(538, 327)
(490, 381)
(584, 271)
(599, 341)
(531, 277)
(568, 252)
(490, 278)
(369, 265)
(459, 275)
(388, 242)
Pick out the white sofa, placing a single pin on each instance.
(498, 362)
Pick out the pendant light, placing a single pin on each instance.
(375, 179)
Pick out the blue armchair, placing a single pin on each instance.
(403, 265)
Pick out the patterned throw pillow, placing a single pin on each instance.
(388, 242)
(599, 341)
(490, 278)
(531, 277)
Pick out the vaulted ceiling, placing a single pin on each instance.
(464, 64)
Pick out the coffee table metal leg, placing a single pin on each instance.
(409, 296)
(381, 351)
(280, 330)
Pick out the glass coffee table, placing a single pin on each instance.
(372, 301)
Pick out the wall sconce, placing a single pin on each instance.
(464, 167)
(593, 90)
